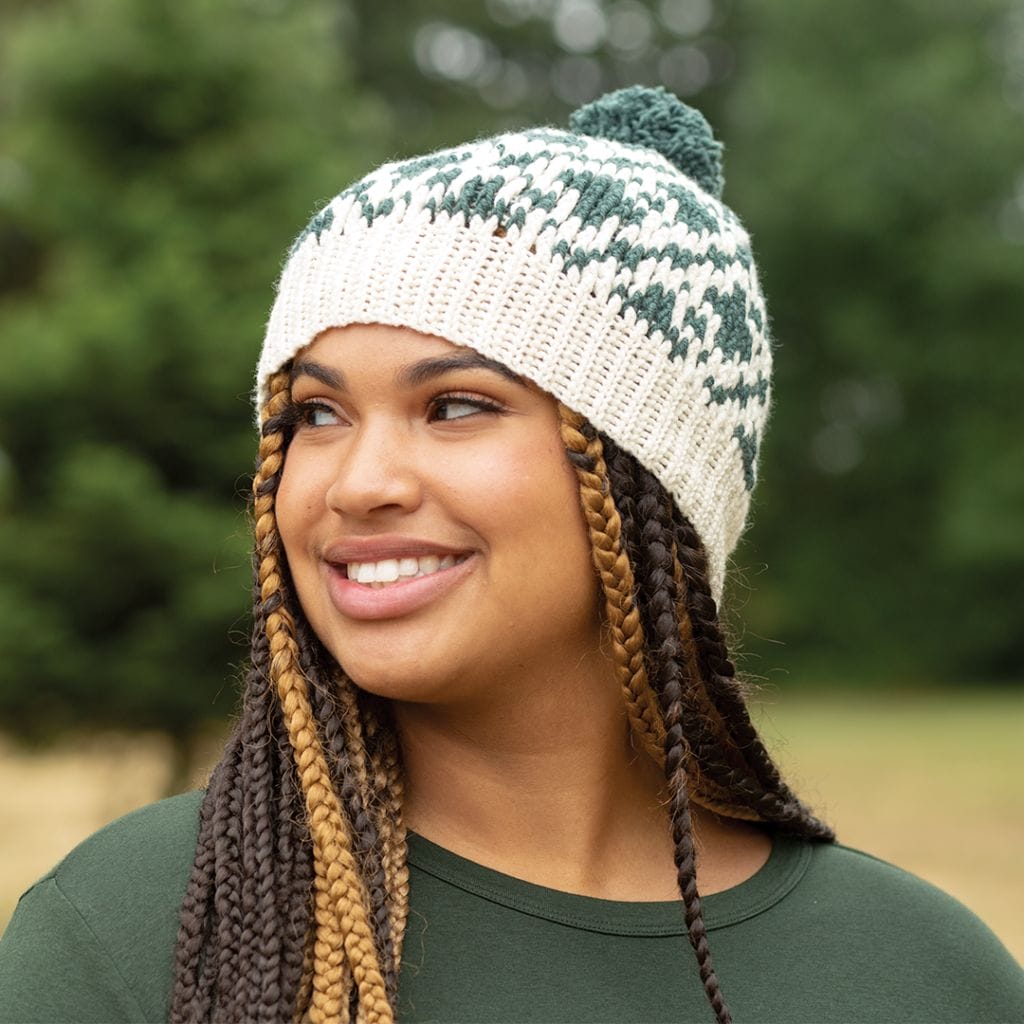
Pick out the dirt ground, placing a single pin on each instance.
(929, 783)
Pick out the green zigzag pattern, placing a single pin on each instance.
(600, 196)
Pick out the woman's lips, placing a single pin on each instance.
(359, 601)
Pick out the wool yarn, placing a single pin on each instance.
(599, 262)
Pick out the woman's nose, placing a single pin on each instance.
(376, 469)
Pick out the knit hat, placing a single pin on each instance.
(598, 262)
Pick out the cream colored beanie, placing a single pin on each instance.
(599, 262)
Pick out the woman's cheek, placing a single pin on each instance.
(300, 498)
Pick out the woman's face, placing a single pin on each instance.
(400, 457)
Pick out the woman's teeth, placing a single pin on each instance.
(390, 570)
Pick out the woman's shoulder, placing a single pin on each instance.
(108, 914)
(859, 883)
(139, 854)
(885, 913)
(845, 935)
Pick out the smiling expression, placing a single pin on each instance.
(409, 447)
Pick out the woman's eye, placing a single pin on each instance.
(316, 414)
(446, 409)
(474, 405)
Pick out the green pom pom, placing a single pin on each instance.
(658, 120)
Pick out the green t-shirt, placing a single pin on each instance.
(820, 933)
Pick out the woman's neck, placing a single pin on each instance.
(545, 786)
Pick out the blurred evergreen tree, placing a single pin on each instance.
(461, 68)
(158, 157)
(877, 154)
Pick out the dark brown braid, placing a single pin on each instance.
(729, 754)
(245, 916)
(708, 733)
(644, 508)
(298, 897)
(668, 676)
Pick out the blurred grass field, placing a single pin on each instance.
(931, 782)
(928, 781)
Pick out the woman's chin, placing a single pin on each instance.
(398, 679)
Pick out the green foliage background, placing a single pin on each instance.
(156, 159)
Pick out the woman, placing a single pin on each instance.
(511, 397)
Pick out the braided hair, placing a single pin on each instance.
(299, 892)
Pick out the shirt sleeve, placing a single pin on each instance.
(53, 970)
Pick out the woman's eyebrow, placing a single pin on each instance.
(333, 379)
(413, 375)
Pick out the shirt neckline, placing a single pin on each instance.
(778, 876)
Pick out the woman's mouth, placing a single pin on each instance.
(389, 571)
(395, 586)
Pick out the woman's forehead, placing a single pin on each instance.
(394, 335)
(413, 356)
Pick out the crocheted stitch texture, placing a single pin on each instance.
(592, 266)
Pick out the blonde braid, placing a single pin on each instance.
(355, 743)
(342, 929)
(359, 731)
(613, 566)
